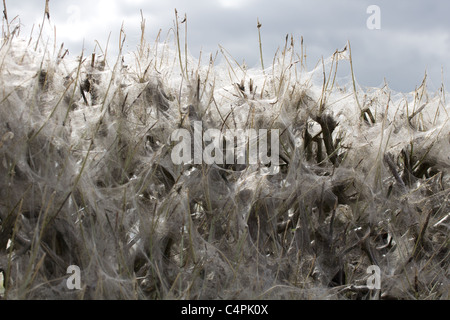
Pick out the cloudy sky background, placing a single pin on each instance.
(414, 35)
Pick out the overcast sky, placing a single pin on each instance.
(414, 35)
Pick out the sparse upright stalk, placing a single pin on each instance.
(178, 40)
(141, 49)
(46, 14)
(442, 100)
(177, 30)
(336, 68)
(326, 83)
(106, 49)
(303, 57)
(5, 15)
(225, 53)
(353, 75)
(292, 61)
(5, 12)
(322, 97)
(258, 25)
(122, 38)
(282, 66)
(185, 47)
